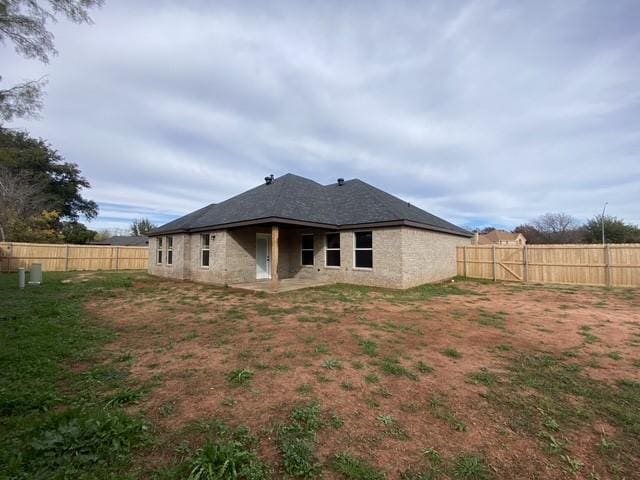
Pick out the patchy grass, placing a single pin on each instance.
(128, 376)
(57, 422)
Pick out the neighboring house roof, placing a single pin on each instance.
(124, 241)
(497, 236)
(296, 200)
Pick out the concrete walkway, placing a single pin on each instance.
(284, 285)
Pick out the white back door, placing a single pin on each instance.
(263, 256)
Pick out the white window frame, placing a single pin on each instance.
(169, 250)
(355, 249)
(159, 251)
(312, 249)
(203, 249)
(327, 249)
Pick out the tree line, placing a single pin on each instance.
(559, 228)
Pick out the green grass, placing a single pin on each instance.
(353, 468)
(536, 389)
(392, 366)
(369, 347)
(471, 467)
(47, 431)
(483, 377)
(296, 441)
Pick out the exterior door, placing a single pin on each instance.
(263, 256)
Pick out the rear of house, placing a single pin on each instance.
(292, 227)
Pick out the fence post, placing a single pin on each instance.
(494, 262)
(464, 260)
(66, 257)
(117, 257)
(525, 255)
(607, 265)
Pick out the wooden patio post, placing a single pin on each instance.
(274, 256)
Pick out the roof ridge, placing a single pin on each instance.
(376, 192)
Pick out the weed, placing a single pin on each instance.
(332, 364)
(296, 441)
(353, 468)
(227, 459)
(483, 377)
(441, 410)
(240, 377)
(504, 347)
(423, 367)
(391, 366)
(335, 421)
(369, 347)
(348, 386)
(304, 389)
(451, 353)
(471, 467)
(372, 378)
(615, 356)
(386, 419)
(496, 320)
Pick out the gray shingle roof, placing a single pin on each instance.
(124, 241)
(294, 199)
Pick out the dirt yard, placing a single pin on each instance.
(464, 380)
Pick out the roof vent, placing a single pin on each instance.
(268, 180)
(340, 182)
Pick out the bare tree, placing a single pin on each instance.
(20, 198)
(557, 228)
(24, 23)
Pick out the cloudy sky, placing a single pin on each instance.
(482, 112)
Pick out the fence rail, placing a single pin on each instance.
(600, 265)
(63, 257)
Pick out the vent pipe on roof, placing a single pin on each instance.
(340, 182)
(268, 180)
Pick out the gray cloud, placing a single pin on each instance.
(479, 111)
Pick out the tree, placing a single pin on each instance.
(24, 23)
(615, 230)
(61, 181)
(21, 199)
(75, 232)
(141, 226)
(551, 228)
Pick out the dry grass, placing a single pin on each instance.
(497, 380)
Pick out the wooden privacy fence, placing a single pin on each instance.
(600, 265)
(62, 258)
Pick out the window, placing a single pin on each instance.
(333, 249)
(307, 250)
(169, 250)
(204, 250)
(364, 250)
(159, 249)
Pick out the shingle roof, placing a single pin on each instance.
(124, 241)
(297, 200)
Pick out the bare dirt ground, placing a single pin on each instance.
(447, 369)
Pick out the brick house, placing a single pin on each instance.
(291, 227)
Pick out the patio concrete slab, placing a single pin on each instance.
(284, 285)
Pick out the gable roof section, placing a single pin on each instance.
(297, 200)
